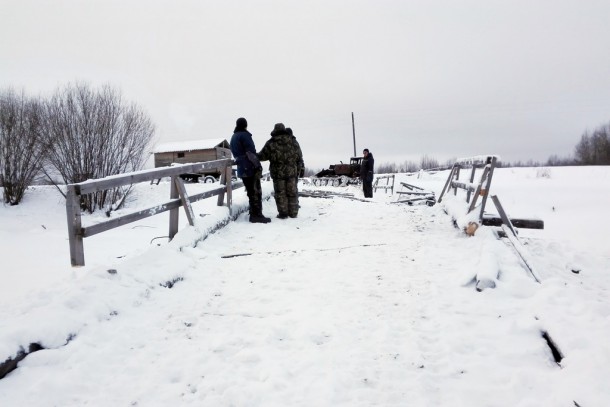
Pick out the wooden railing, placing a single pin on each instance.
(387, 185)
(488, 164)
(178, 197)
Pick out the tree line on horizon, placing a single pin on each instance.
(81, 133)
(592, 149)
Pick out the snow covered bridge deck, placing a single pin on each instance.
(353, 303)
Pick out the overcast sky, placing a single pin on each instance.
(521, 79)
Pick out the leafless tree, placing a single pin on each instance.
(386, 168)
(92, 133)
(556, 161)
(21, 151)
(410, 166)
(594, 148)
(429, 163)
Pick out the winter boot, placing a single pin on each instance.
(259, 218)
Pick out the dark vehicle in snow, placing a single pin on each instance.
(339, 174)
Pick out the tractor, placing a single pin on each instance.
(339, 174)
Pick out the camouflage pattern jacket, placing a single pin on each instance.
(284, 155)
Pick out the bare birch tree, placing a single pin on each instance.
(21, 151)
(93, 133)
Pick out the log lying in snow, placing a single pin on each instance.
(328, 194)
(489, 220)
(323, 194)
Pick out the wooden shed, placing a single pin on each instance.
(193, 151)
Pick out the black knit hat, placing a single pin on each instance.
(241, 124)
(289, 130)
(278, 129)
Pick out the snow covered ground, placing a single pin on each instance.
(353, 303)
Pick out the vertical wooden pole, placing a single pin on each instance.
(229, 188)
(223, 181)
(457, 177)
(474, 169)
(354, 134)
(75, 236)
(174, 214)
(491, 165)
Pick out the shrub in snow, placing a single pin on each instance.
(543, 172)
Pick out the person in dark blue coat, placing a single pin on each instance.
(248, 169)
(366, 173)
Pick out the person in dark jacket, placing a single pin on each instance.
(284, 155)
(248, 169)
(366, 173)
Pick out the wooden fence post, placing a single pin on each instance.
(174, 214)
(75, 236)
(223, 181)
(474, 169)
(228, 171)
(457, 177)
(491, 163)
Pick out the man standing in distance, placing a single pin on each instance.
(366, 173)
(244, 151)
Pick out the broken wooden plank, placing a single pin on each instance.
(521, 251)
(414, 193)
(410, 186)
(470, 187)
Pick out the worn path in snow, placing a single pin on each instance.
(350, 304)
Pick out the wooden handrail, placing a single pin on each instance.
(113, 181)
(178, 197)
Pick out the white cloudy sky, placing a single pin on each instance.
(522, 79)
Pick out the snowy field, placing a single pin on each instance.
(351, 304)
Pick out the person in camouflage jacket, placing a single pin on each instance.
(285, 158)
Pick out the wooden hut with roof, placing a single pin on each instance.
(193, 151)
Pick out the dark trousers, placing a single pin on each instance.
(255, 194)
(367, 187)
